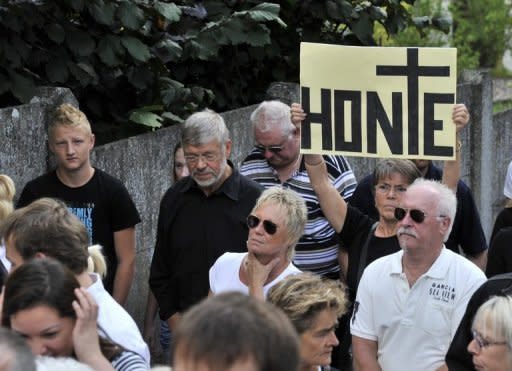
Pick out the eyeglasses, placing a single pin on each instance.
(253, 221)
(207, 157)
(483, 343)
(385, 188)
(274, 149)
(418, 216)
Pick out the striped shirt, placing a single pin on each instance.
(129, 361)
(317, 250)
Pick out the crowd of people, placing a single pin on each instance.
(287, 263)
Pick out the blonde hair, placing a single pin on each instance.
(68, 115)
(7, 191)
(294, 208)
(303, 296)
(96, 261)
(494, 321)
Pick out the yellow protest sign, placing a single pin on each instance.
(378, 101)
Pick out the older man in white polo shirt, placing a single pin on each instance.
(409, 304)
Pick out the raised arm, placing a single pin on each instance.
(333, 205)
(451, 169)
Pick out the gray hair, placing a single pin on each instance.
(15, 352)
(494, 316)
(385, 168)
(446, 200)
(271, 114)
(203, 127)
(294, 208)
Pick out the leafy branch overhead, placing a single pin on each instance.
(136, 65)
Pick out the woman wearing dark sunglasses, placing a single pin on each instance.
(275, 225)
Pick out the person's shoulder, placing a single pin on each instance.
(338, 161)
(385, 263)
(128, 361)
(229, 257)
(247, 184)
(176, 189)
(464, 267)
(107, 178)
(504, 233)
(45, 178)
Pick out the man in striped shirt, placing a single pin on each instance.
(275, 160)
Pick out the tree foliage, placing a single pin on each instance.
(154, 62)
(482, 31)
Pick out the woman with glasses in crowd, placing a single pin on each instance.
(491, 346)
(275, 225)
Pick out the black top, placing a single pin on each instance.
(467, 229)
(504, 219)
(458, 358)
(499, 259)
(103, 204)
(193, 231)
(353, 236)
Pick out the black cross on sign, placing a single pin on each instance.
(412, 70)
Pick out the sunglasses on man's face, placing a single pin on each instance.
(418, 216)
(263, 149)
(253, 221)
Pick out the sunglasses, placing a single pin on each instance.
(253, 221)
(417, 216)
(263, 149)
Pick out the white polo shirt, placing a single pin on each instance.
(413, 326)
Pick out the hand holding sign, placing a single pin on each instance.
(460, 116)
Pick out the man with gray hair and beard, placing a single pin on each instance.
(409, 304)
(202, 216)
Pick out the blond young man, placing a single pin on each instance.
(99, 200)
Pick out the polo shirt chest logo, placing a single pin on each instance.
(442, 292)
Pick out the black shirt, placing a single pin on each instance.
(499, 259)
(504, 219)
(458, 358)
(467, 229)
(353, 235)
(193, 231)
(103, 204)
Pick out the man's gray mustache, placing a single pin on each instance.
(406, 231)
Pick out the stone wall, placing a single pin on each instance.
(143, 163)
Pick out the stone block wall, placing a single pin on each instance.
(143, 163)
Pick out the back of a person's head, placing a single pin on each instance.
(229, 328)
(15, 355)
(45, 363)
(46, 226)
(39, 282)
(302, 297)
(7, 192)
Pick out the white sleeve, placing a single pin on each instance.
(213, 276)
(362, 323)
(474, 281)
